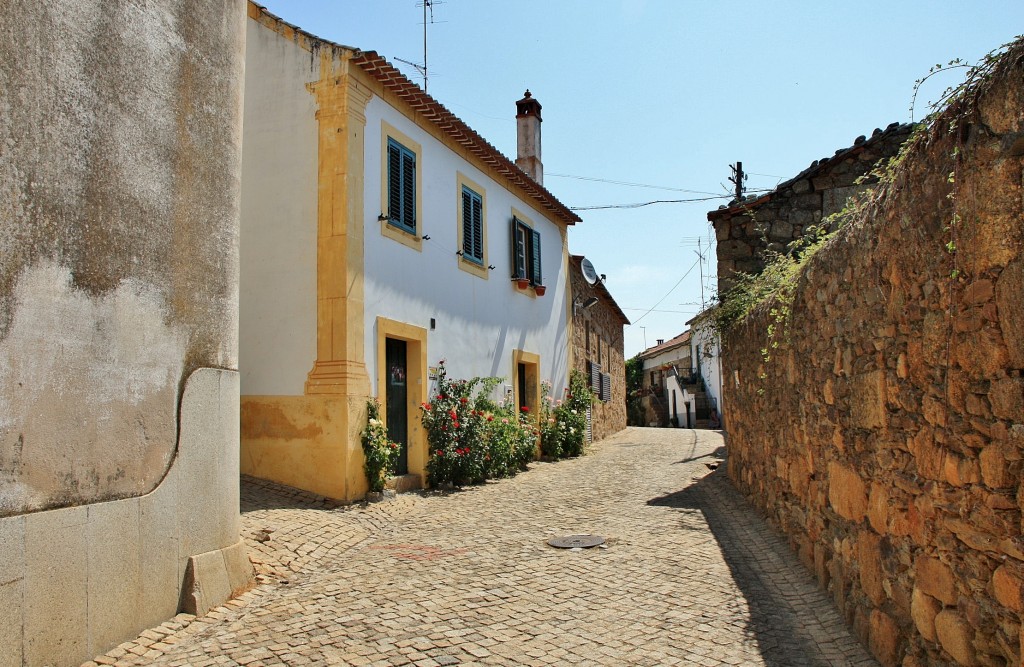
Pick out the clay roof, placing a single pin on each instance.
(377, 67)
(601, 290)
(678, 341)
(860, 144)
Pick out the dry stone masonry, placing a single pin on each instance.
(885, 433)
(745, 229)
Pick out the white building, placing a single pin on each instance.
(380, 234)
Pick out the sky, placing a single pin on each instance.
(648, 100)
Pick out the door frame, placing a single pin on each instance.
(416, 382)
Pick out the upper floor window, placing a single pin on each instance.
(401, 186)
(526, 262)
(472, 226)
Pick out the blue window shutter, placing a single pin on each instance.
(394, 182)
(409, 190)
(467, 223)
(472, 226)
(517, 271)
(478, 229)
(537, 276)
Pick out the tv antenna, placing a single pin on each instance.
(738, 179)
(428, 7)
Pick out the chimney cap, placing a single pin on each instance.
(528, 106)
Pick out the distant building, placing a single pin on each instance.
(381, 235)
(676, 390)
(598, 348)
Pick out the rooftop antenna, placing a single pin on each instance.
(738, 179)
(428, 6)
(700, 254)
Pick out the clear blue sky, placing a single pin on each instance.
(669, 93)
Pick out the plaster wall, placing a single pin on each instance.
(479, 321)
(709, 359)
(121, 130)
(277, 309)
(120, 139)
(77, 581)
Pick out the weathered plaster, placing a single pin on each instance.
(102, 381)
(120, 134)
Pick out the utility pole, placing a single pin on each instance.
(738, 178)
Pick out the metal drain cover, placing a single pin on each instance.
(576, 541)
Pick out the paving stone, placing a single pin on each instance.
(690, 574)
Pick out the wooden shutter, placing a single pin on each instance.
(606, 387)
(478, 228)
(467, 223)
(535, 273)
(595, 378)
(409, 190)
(472, 226)
(394, 182)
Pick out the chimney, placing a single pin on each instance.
(528, 130)
(661, 341)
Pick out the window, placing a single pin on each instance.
(526, 252)
(401, 186)
(472, 226)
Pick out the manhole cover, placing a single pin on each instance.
(576, 541)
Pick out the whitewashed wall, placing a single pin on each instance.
(478, 322)
(277, 319)
(710, 359)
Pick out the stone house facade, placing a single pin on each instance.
(598, 349)
(382, 234)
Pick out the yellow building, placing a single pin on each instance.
(380, 234)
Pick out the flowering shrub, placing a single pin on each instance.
(455, 430)
(470, 437)
(564, 423)
(380, 453)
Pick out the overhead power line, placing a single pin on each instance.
(658, 201)
(667, 293)
(631, 184)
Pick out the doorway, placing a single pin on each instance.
(397, 400)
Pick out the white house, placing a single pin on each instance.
(379, 235)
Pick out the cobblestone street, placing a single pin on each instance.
(690, 575)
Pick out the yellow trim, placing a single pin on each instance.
(469, 266)
(532, 363)
(414, 241)
(417, 381)
(341, 99)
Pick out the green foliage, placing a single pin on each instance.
(379, 453)
(634, 383)
(563, 424)
(471, 438)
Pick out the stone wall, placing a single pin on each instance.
(885, 434)
(772, 221)
(603, 321)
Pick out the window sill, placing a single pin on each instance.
(407, 239)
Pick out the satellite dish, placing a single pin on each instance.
(588, 271)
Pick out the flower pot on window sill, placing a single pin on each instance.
(523, 283)
(539, 289)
